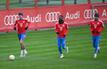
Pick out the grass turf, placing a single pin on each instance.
(43, 52)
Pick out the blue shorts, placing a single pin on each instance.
(96, 41)
(21, 36)
(61, 42)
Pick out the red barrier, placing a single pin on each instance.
(46, 17)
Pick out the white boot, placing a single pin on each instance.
(61, 56)
(21, 53)
(25, 51)
(95, 55)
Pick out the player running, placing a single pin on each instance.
(21, 26)
(61, 30)
(96, 27)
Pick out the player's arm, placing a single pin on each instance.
(91, 26)
(66, 31)
(15, 25)
(27, 25)
(56, 29)
(103, 25)
(101, 28)
(92, 29)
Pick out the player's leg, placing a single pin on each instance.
(23, 37)
(21, 52)
(23, 49)
(94, 41)
(59, 47)
(64, 44)
(96, 45)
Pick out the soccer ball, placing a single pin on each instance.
(11, 57)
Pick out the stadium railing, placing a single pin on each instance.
(8, 4)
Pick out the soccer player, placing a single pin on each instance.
(96, 27)
(21, 26)
(61, 30)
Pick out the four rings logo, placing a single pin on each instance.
(88, 13)
(10, 19)
(49, 17)
(52, 16)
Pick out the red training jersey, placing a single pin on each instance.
(96, 27)
(61, 29)
(21, 25)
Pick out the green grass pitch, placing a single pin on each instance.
(43, 52)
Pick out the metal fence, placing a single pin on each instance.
(31, 3)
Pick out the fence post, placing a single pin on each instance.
(103, 1)
(20, 1)
(75, 1)
(7, 4)
(62, 2)
(47, 2)
(89, 1)
(35, 2)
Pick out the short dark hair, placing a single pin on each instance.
(20, 13)
(61, 17)
(61, 21)
(96, 15)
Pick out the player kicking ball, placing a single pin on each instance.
(61, 30)
(96, 27)
(21, 26)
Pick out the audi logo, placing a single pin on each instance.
(10, 19)
(52, 16)
(89, 13)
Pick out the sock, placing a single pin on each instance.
(59, 49)
(21, 53)
(25, 51)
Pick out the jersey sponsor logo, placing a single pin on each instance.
(21, 24)
(95, 25)
(61, 27)
(23, 21)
